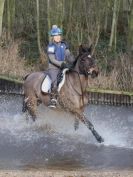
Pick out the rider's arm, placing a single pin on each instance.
(69, 57)
(54, 61)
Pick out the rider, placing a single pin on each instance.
(59, 58)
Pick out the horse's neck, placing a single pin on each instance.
(76, 68)
(84, 82)
(82, 77)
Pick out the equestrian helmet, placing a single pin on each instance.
(55, 31)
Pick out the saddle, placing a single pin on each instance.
(47, 83)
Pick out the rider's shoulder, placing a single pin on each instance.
(65, 43)
(51, 48)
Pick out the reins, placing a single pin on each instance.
(81, 88)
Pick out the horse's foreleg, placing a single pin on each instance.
(91, 127)
(31, 106)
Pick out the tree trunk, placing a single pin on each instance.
(112, 42)
(60, 12)
(48, 14)
(130, 31)
(106, 15)
(38, 26)
(69, 20)
(1, 14)
(10, 17)
(42, 55)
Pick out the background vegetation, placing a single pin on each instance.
(106, 24)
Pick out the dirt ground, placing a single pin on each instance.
(55, 173)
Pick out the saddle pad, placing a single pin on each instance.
(46, 85)
(63, 79)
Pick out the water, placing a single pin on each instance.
(52, 142)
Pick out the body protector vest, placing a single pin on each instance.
(58, 49)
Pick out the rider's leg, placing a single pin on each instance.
(53, 100)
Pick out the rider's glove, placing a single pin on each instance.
(63, 65)
(66, 65)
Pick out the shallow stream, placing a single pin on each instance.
(52, 143)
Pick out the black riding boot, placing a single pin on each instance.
(53, 98)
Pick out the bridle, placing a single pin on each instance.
(80, 59)
(86, 68)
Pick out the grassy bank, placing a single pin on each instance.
(12, 78)
(12, 65)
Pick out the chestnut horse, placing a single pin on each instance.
(72, 96)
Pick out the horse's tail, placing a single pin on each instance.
(25, 77)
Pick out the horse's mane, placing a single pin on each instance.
(75, 62)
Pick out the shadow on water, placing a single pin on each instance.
(51, 141)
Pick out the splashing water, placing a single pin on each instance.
(52, 141)
(115, 124)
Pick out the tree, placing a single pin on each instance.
(1, 14)
(48, 15)
(42, 54)
(112, 42)
(130, 30)
(10, 17)
(38, 26)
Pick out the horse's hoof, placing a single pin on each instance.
(76, 128)
(24, 109)
(34, 119)
(100, 139)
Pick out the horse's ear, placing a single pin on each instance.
(80, 49)
(83, 48)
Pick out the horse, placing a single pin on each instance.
(72, 96)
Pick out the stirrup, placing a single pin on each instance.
(53, 103)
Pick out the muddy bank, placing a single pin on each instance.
(53, 173)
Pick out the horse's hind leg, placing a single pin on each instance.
(24, 106)
(32, 106)
(76, 123)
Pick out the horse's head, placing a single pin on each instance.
(86, 62)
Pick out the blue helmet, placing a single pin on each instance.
(55, 31)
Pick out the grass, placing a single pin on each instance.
(11, 64)
(11, 78)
